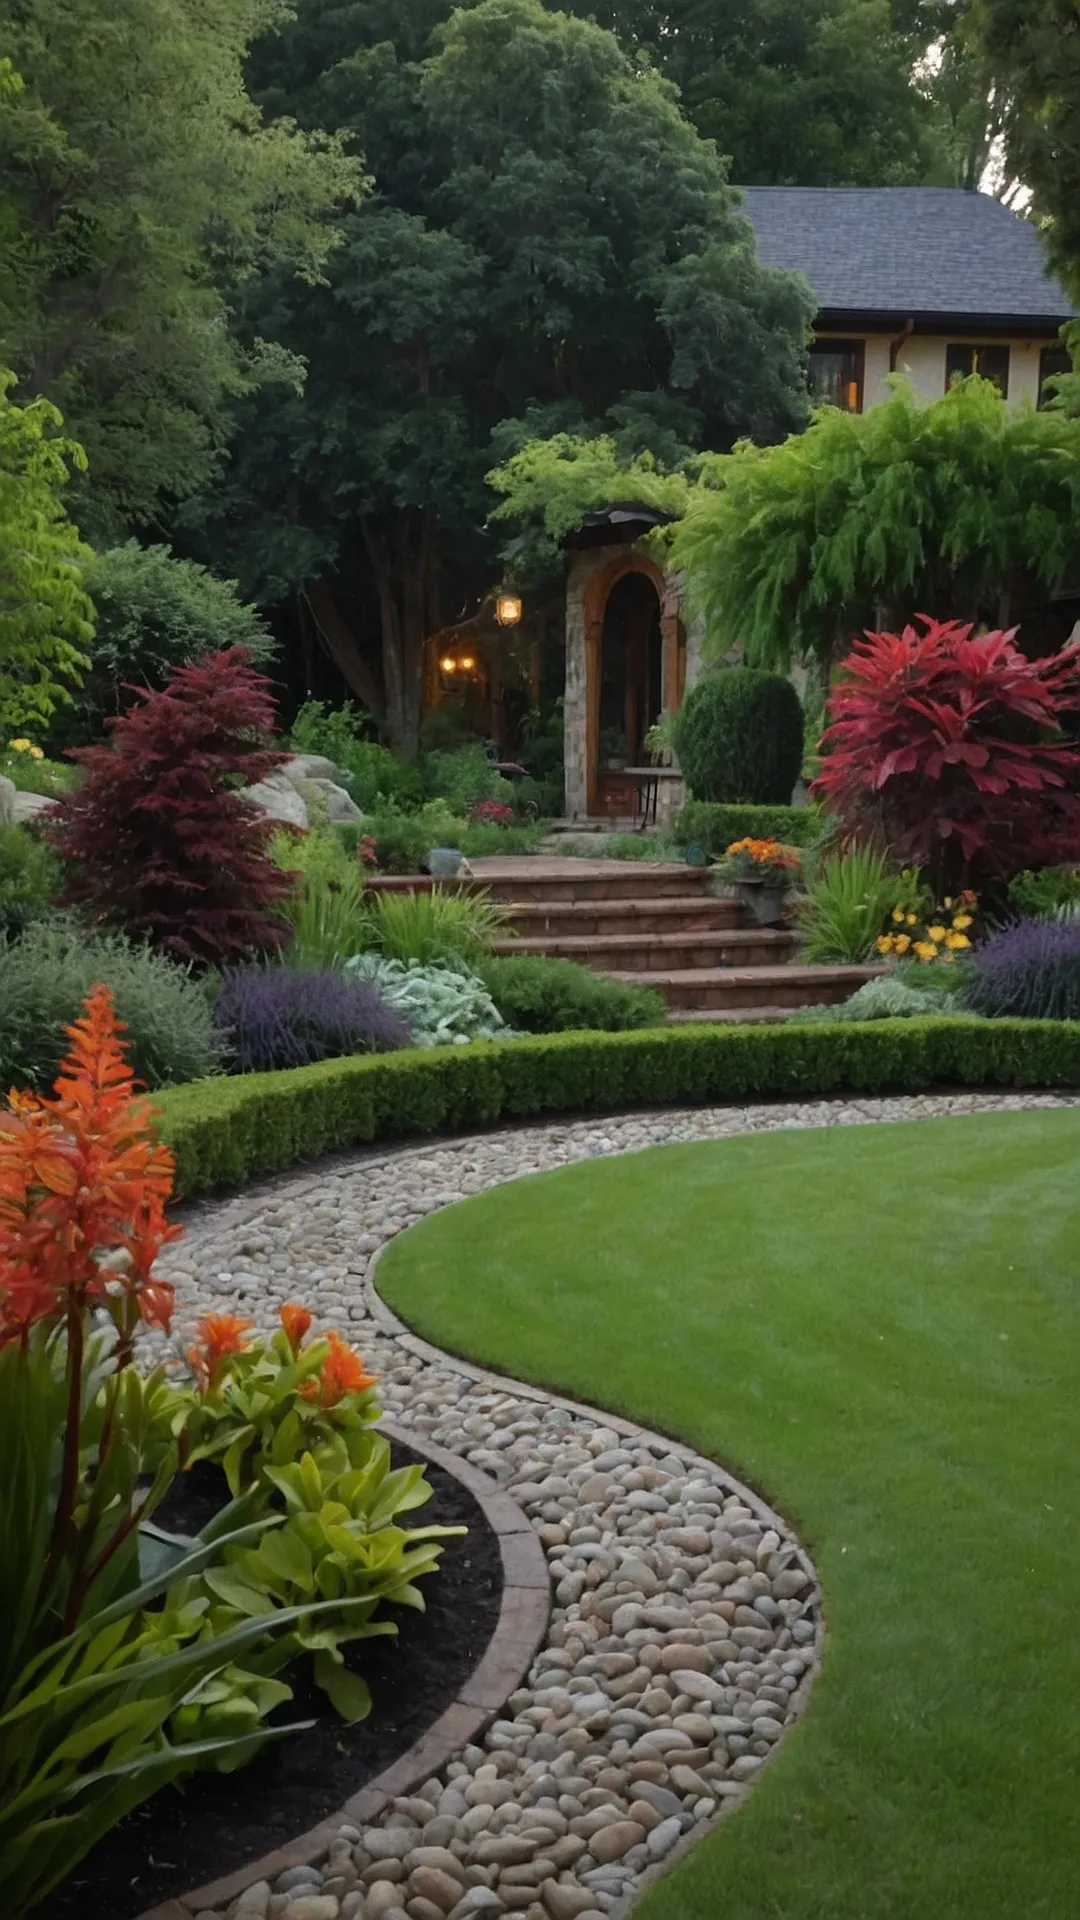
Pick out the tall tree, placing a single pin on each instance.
(548, 243)
(137, 180)
(1032, 52)
(805, 93)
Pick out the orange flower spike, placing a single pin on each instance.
(343, 1371)
(296, 1322)
(218, 1336)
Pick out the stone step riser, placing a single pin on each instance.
(547, 921)
(627, 881)
(775, 986)
(702, 951)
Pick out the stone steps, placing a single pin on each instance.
(671, 952)
(725, 989)
(577, 919)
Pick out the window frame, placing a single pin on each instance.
(975, 348)
(841, 343)
(1057, 351)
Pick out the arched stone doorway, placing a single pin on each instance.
(626, 657)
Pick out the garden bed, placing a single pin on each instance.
(184, 1837)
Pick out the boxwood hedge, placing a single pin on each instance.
(227, 1131)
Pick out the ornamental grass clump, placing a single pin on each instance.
(434, 926)
(272, 1016)
(1029, 971)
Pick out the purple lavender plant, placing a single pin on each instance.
(1030, 971)
(270, 1017)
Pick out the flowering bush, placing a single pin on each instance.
(943, 935)
(122, 1646)
(1029, 971)
(159, 839)
(491, 813)
(767, 860)
(270, 1016)
(948, 747)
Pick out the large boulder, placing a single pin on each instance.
(29, 806)
(7, 802)
(278, 799)
(339, 804)
(308, 766)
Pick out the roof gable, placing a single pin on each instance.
(908, 250)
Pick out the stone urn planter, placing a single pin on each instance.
(444, 863)
(764, 898)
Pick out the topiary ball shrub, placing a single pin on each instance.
(1030, 971)
(538, 995)
(739, 737)
(45, 976)
(268, 1017)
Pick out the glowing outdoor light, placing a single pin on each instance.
(466, 663)
(508, 609)
(447, 664)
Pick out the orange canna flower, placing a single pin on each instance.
(219, 1335)
(296, 1322)
(342, 1372)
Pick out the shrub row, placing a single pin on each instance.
(715, 826)
(225, 1132)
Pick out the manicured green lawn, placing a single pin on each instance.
(880, 1328)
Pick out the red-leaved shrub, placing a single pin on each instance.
(158, 840)
(946, 746)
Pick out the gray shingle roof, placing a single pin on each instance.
(907, 250)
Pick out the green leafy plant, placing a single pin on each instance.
(463, 777)
(535, 994)
(444, 1006)
(46, 974)
(889, 998)
(31, 771)
(433, 926)
(402, 840)
(343, 734)
(739, 737)
(847, 905)
(1050, 893)
(45, 617)
(29, 879)
(713, 825)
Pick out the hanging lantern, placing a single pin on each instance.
(508, 608)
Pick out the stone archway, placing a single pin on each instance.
(600, 618)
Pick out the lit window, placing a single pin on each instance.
(836, 374)
(990, 363)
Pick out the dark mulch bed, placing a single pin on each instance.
(183, 1838)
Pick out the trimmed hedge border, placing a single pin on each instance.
(225, 1132)
(715, 824)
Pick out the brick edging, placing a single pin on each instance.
(519, 1633)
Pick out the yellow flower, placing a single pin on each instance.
(898, 914)
(962, 920)
(885, 944)
(910, 919)
(902, 942)
(925, 951)
(957, 940)
(20, 746)
(936, 933)
(37, 753)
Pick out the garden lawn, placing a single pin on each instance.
(877, 1326)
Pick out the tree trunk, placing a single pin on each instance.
(404, 562)
(344, 649)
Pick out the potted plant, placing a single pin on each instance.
(760, 872)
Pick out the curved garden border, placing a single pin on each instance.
(435, 1393)
(519, 1633)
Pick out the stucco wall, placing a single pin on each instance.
(922, 359)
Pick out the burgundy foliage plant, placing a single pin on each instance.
(947, 747)
(271, 1017)
(158, 839)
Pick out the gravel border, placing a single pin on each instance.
(685, 1630)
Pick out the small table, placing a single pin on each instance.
(647, 791)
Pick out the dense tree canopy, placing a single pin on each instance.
(137, 180)
(45, 616)
(548, 244)
(802, 93)
(1032, 54)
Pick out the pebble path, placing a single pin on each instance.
(685, 1623)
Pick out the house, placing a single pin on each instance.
(930, 282)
